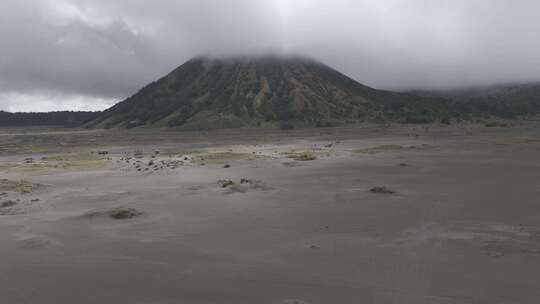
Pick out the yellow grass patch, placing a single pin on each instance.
(302, 155)
(58, 162)
(217, 157)
(22, 186)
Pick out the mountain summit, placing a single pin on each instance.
(224, 93)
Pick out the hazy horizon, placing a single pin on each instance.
(88, 55)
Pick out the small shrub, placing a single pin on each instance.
(120, 213)
(7, 204)
(226, 183)
(124, 213)
(301, 155)
(381, 190)
(305, 157)
(243, 186)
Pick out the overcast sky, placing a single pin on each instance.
(90, 54)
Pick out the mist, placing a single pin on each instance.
(90, 54)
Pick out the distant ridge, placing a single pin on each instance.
(504, 100)
(60, 118)
(206, 93)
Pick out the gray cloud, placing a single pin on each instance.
(70, 54)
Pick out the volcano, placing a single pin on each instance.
(206, 93)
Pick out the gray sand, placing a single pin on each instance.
(463, 225)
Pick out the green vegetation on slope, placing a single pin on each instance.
(210, 93)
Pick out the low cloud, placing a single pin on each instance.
(88, 54)
(54, 101)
